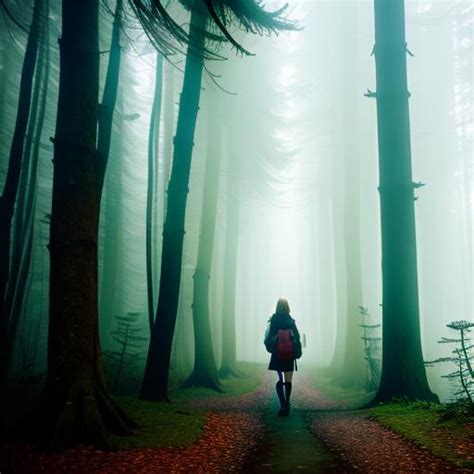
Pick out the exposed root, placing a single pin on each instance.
(88, 414)
(79, 420)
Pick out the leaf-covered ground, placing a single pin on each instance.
(367, 446)
(239, 432)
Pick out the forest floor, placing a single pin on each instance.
(240, 432)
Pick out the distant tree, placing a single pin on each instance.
(462, 358)
(228, 366)
(403, 371)
(9, 194)
(205, 368)
(254, 18)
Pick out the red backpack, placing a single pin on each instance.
(284, 344)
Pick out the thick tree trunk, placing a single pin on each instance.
(155, 382)
(153, 137)
(205, 369)
(7, 200)
(76, 405)
(403, 371)
(229, 350)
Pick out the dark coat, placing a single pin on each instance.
(276, 322)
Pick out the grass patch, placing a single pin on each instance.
(174, 424)
(252, 377)
(424, 424)
(351, 396)
(161, 425)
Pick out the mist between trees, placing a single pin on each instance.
(283, 184)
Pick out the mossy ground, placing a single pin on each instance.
(174, 424)
(423, 423)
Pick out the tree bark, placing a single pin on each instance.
(205, 368)
(403, 371)
(153, 138)
(155, 382)
(77, 407)
(8, 198)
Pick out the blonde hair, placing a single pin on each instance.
(282, 306)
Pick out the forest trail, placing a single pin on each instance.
(244, 434)
(322, 436)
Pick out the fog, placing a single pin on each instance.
(294, 137)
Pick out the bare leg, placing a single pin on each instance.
(288, 376)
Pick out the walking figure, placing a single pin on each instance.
(282, 340)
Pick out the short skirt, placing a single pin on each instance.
(281, 365)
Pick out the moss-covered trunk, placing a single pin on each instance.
(403, 371)
(76, 404)
(155, 382)
(205, 368)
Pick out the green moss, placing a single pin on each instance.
(252, 377)
(174, 424)
(161, 425)
(423, 423)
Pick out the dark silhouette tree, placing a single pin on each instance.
(9, 194)
(403, 371)
(25, 207)
(153, 137)
(76, 404)
(109, 100)
(155, 382)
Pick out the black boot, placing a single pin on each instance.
(281, 397)
(287, 386)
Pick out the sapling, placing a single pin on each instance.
(371, 347)
(129, 341)
(462, 359)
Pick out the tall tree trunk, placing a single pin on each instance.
(76, 404)
(21, 249)
(153, 138)
(229, 350)
(155, 382)
(205, 369)
(403, 371)
(109, 99)
(353, 364)
(105, 126)
(8, 198)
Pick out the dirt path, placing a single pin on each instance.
(243, 434)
